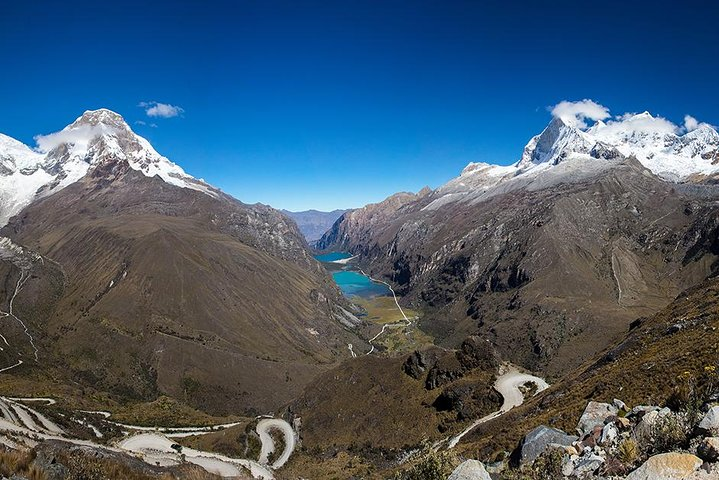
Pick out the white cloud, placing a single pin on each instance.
(81, 136)
(633, 123)
(690, 123)
(163, 110)
(145, 124)
(577, 113)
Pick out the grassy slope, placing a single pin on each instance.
(644, 368)
(361, 415)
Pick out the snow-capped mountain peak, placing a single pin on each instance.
(565, 152)
(101, 116)
(656, 142)
(94, 139)
(552, 145)
(99, 136)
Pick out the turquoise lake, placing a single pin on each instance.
(334, 256)
(354, 283)
(350, 281)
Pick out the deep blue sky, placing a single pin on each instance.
(340, 103)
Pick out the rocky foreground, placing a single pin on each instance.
(614, 441)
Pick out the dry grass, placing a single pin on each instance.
(167, 412)
(20, 462)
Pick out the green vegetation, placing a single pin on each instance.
(383, 310)
(628, 451)
(669, 433)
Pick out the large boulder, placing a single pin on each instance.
(470, 470)
(476, 352)
(710, 422)
(640, 410)
(419, 362)
(667, 466)
(537, 441)
(594, 415)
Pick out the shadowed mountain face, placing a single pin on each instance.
(144, 287)
(551, 267)
(313, 223)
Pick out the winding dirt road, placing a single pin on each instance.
(152, 444)
(268, 444)
(507, 385)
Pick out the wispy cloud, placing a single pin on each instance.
(577, 113)
(162, 110)
(81, 135)
(641, 123)
(145, 124)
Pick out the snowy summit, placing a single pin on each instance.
(568, 147)
(62, 158)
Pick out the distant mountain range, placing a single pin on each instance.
(313, 223)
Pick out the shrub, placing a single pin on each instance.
(628, 451)
(547, 466)
(669, 433)
(432, 466)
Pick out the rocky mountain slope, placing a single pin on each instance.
(553, 257)
(144, 281)
(313, 223)
(665, 364)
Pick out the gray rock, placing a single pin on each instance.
(643, 430)
(470, 470)
(710, 422)
(641, 409)
(568, 464)
(594, 415)
(537, 441)
(610, 433)
(587, 465)
(46, 461)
